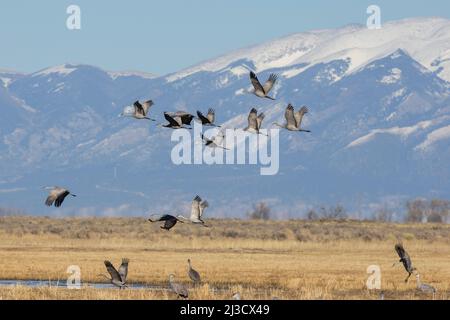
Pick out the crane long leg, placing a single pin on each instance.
(407, 278)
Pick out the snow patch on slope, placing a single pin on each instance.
(64, 69)
(21, 103)
(6, 81)
(434, 137)
(403, 132)
(117, 74)
(394, 76)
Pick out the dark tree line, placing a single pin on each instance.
(433, 211)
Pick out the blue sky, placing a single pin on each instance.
(166, 36)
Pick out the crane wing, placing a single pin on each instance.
(174, 121)
(211, 115)
(202, 118)
(195, 208)
(260, 119)
(400, 250)
(170, 223)
(51, 198)
(146, 106)
(138, 108)
(60, 198)
(299, 116)
(270, 83)
(187, 118)
(123, 269)
(255, 82)
(289, 115)
(203, 206)
(112, 271)
(253, 119)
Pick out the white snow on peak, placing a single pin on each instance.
(395, 96)
(239, 92)
(394, 76)
(427, 40)
(64, 69)
(290, 73)
(434, 137)
(6, 81)
(403, 132)
(239, 71)
(117, 74)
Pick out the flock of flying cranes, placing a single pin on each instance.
(181, 120)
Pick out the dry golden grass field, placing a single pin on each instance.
(260, 259)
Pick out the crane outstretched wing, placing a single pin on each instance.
(170, 223)
(299, 116)
(400, 251)
(211, 115)
(289, 115)
(260, 119)
(255, 82)
(138, 108)
(202, 118)
(112, 271)
(174, 121)
(123, 269)
(203, 205)
(50, 199)
(253, 119)
(270, 83)
(60, 199)
(195, 208)
(146, 106)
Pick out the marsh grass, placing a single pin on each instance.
(260, 259)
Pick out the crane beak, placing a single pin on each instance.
(73, 195)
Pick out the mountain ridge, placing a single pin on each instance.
(393, 105)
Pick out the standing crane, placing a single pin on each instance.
(425, 288)
(178, 288)
(193, 274)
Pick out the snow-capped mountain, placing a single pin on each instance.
(426, 39)
(379, 104)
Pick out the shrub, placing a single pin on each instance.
(261, 211)
(328, 213)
